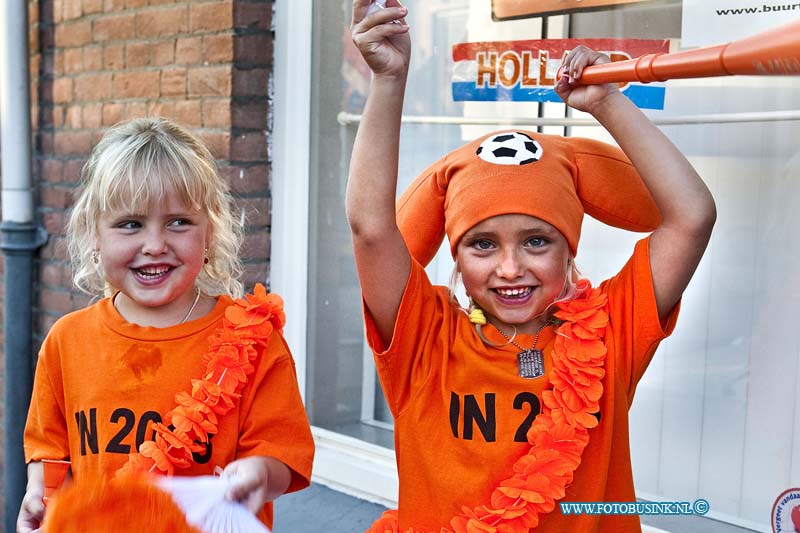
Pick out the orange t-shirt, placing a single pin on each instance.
(462, 412)
(101, 382)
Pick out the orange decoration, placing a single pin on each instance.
(557, 436)
(247, 323)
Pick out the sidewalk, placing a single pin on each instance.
(319, 509)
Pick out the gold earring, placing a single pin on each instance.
(205, 259)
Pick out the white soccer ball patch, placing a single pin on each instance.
(512, 148)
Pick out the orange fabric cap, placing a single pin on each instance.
(550, 177)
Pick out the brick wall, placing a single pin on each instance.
(203, 64)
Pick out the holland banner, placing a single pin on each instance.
(524, 71)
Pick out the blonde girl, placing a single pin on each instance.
(166, 373)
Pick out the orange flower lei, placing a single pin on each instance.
(248, 322)
(557, 436)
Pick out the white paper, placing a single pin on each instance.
(202, 498)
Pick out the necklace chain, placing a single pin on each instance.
(191, 309)
(194, 304)
(535, 338)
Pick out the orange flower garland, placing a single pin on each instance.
(557, 436)
(248, 323)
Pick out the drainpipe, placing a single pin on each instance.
(21, 237)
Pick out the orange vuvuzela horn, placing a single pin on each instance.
(773, 52)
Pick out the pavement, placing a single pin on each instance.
(319, 509)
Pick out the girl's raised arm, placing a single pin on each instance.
(382, 259)
(687, 208)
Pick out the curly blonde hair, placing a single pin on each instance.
(134, 166)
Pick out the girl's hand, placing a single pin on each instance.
(582, 97)
(31, 513)
(256, 480)
(384, 44)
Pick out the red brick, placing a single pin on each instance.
(58, 11)
(81, 300)
(93, 58)
(73, 34)
(58, 116)
(114, 27)
(52, 170)
(251, 146)
(62, 90)
(218, 48)
(112, 113)
(187, 113)
(161, 109)
(137, 55)
(74, 119)
(255, 245)
(141, 84)
(33, 39)
(93, 86)
(250, 116)
(91, 7)
(218, 144)
(72, 9)
(135, 3)
(252, 16)
(251, 82)
(51, 274)
(93, 116)
(166, 21)
(46, 322)
(216, 16)
(217, 113)
(173, 82)
(73, 169)
(163, 53)
(114, 57)
(56, 197)
(210, 81)
(189, 51)
(46, 142)
(256, 210)
(255, 272)
(246, 180)
(72, 142)
(53, 222)
(253, 49)
(135, 110)
(73, 60)
(113, 5)
(56, 301)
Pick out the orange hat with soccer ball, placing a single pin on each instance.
(556, 179)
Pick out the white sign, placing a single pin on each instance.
(709, 22)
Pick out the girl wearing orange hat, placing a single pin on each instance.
(521, 402)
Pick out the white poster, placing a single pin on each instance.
(709, 22)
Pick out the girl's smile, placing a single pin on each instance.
(513, 266)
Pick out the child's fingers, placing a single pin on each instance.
(360, 8)
(381, 16)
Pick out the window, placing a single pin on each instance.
(717, 415)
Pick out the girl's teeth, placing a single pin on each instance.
(513, 292)
(153, 272)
